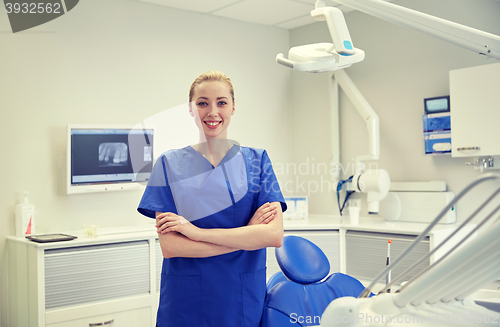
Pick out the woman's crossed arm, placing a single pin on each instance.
(180, 238)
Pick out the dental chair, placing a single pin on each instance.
(298, 295)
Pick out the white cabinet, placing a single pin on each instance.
(128, 313)
(475, 111)
(106, 281)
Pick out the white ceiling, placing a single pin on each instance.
(281, 13)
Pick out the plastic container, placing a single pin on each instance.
(25, 217)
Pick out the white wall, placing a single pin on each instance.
(120, 61)
(401, 68)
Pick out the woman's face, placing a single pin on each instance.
(212, 106)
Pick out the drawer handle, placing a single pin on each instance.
(109, 322)
(469, 148)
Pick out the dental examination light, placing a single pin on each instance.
(341, 54)
(323, 57)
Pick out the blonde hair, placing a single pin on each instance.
(211, 76)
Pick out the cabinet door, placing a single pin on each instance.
(366, 254)
(92, 273)
(475, 111)
(327, 241)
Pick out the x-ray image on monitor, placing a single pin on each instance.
(113, 154)
(108, 157)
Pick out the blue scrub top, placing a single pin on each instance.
(224, 290)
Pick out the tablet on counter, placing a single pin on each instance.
(45, 238)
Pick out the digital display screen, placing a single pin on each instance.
(435, 105)
(111, 155)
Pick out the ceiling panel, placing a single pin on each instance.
(312, 2)
(296, 22)
(204, 6)
(286, 14)
(268, 12)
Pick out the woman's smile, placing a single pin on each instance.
(213, 124)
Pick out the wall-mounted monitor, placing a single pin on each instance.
(437, 104)
(104, 158)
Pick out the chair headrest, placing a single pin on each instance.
(301, 260)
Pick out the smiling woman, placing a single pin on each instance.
(215, 217)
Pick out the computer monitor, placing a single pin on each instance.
(437, 104)
(104, 158)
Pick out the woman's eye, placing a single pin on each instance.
(222, 103)
(201, 104)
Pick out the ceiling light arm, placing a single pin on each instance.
(337, 26)
(466, 37)
(369, 116)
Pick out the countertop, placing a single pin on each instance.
(313, 222)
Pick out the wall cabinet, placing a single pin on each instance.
(475, 111)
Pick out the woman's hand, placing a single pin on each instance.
(170, 222)
(264, 214)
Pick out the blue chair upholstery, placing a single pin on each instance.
(275, 279)
(301, 299)
(301, 260)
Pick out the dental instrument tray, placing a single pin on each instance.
(45, 238)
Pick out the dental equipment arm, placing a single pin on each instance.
(374, 182)
(337, 27)
(322, 57)
(369, 116)
(463, 36)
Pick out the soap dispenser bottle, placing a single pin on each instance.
(25, 217)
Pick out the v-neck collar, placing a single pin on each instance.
(229, 154)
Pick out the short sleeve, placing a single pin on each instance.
(270, 190)
(158, 195)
